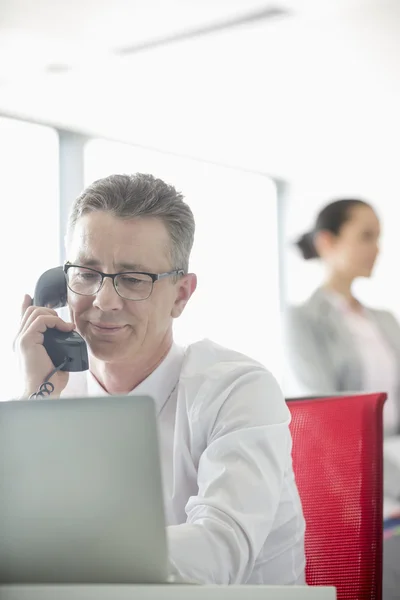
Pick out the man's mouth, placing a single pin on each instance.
(107, 328)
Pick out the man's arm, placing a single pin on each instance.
(240, 477)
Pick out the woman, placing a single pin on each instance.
(334, 342)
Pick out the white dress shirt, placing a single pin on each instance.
(232, 506)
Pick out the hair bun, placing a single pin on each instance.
(306, 246)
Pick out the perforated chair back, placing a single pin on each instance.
(338, 464)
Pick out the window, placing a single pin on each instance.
(235, 254)
(29, 241)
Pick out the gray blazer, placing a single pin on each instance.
(321, 356)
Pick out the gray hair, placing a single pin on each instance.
(141, 195)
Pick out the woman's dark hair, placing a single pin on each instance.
(331, 218)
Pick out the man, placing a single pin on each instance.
(233, 510)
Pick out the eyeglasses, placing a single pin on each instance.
(130, 285)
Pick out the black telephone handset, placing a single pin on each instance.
(51, 291)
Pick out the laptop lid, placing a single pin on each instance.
(80, 492)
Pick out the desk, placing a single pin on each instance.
(165, 592)
(391, 568)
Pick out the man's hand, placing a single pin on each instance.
(35, 363)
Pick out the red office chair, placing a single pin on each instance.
(337, 460)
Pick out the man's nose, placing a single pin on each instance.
(107, 297)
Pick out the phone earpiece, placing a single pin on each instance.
(51, 291)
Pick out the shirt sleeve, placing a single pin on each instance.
(240, 476)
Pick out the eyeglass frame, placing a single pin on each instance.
(154, 277)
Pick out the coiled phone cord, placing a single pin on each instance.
(47, 387)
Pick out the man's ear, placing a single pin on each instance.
(185, 286)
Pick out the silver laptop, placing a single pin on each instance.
(80, 492)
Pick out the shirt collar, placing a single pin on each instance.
(342, 304)
(337, 300)
(159, 385)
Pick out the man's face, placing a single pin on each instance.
(116, 329)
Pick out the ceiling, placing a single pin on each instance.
(50, 33)
(303, 85)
